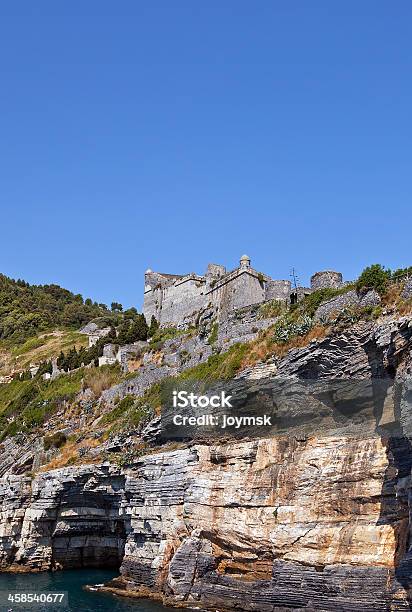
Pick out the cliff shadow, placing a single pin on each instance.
(88, 531)
(394, 509)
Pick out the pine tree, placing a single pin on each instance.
(123, 335)
(139, 329)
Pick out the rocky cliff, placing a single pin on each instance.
(257, 525)
(319, 521)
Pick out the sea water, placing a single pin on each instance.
(71, 582)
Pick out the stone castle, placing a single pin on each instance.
(177, 300)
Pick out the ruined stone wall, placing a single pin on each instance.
(278, 290)
(215, 271)
(346, 300)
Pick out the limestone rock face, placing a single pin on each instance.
(251, 525)
(407, 291)
(346, 300)
(64, 518)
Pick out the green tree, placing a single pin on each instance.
(116, 307)
(123, 332)
(138, 329)
(26, 310)
(130, 313)
(112, 333)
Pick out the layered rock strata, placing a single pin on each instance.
(253, 525)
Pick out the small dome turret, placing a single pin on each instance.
(245, 261)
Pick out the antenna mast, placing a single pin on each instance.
(295, 278)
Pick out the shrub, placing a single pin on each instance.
(285, 328)
(184, 356)
(400, 273)
(374, 277)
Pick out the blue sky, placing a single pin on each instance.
(170, 134)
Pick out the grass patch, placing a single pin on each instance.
(166, 333)
(25, 405)
(221, 366)
(30, 345)
(272, 309)
(64, 387)
(131, 412)
(100, 379)
(119, 411)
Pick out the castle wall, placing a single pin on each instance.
(175, 301)
(154, 283)
(182, 301)
(240, 289)
(151, 304)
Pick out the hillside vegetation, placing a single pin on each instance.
(27, 310)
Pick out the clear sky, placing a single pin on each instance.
(167, 134)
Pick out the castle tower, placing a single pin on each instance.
(326, 279)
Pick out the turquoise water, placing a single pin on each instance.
(72, 581)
